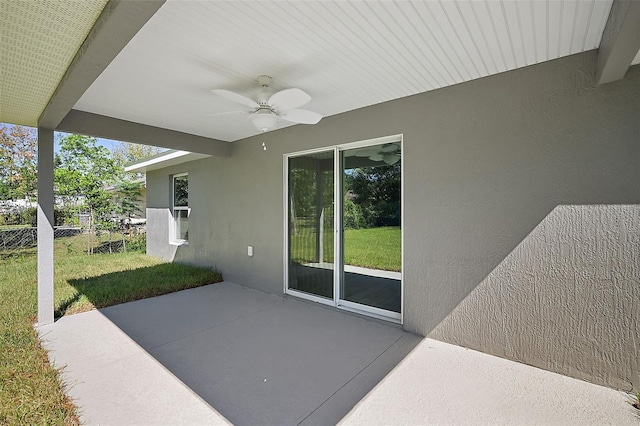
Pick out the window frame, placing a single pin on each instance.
(173, 228)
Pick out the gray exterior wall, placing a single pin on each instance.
(516, 229)
(569, 292)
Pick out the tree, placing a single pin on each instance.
(130, 193)
(18, 162)
(131, 184)
(125, 153)
(83, 169)
(376, 193)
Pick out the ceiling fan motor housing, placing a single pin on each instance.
(265, 90)
(264, 80)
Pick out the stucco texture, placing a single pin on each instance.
(485, 163)
(567, 295)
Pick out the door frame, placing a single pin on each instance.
(338, 263)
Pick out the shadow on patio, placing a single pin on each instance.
(255, 358)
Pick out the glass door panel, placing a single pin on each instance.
(371, 243)
(311, 224)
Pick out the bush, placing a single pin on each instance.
(138, 243)
(30, 216)
(11, 218)
(64, 216)
(61, 216)
(353, 217)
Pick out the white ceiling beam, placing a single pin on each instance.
(620, 41)
(101, 126)
(114, 28)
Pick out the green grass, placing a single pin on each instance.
(30, 390)
(376, 248)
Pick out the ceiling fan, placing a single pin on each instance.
(389, 153)
(269, 107)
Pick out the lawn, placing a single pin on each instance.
(30, 390)
(376, 248)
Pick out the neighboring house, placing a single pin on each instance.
(140, 202)
(516, 125)
(14, 206)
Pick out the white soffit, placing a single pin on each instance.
(38, 41)
(345, 54)
(636, 60)
(164, 159)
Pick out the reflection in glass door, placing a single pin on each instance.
(371, 243)
(311, 224)
(359, 267)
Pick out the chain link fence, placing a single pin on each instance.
(96, 242)
(123, 238)
(25, 237)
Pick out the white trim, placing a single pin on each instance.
(370, 142)
(179, 243)
(370, 311)
(170, 158)
(338, 237)
(338, 273)
(285, 188)
(173, 240)
(311, 297)
(402, 240)
(310, 151)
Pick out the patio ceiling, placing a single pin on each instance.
(345, 54)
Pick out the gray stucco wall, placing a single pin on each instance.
(571, 286)
(485, 163)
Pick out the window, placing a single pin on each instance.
(180, 204)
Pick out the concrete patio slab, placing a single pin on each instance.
(226, 353)
(159, 320)
(444, 384)
(255, 358)
(114, 381)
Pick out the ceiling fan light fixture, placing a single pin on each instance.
(264, 120)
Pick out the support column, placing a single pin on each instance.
(620, 41)
(45, 226)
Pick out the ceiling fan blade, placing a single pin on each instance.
(235, 97)
(366, 152)
(391, 159)
(376, 157)
(301, 116)
(288, 98)
(389, 147)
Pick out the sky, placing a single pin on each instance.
(107, 143)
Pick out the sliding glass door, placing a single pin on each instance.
(343, 227)
(311, 224)
(371, 242)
